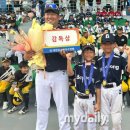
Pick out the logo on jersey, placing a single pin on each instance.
(107, 36)
(112, 67)
(81, 78)
(122, 40)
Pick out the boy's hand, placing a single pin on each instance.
(14, 86)
(16, 89)
(121, 49)
(63, 53)
(69, 56)
(9, 78)
(97, 108)
(127, 50)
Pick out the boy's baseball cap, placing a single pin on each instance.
(127, 21)
(5, 59)
(108, 38)
(112, 20)
(119, 28)
(52, 8)
(104, 29)
(88, 47)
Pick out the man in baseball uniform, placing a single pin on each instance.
(111, 66)
(55, 81)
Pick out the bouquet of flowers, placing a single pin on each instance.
(34, 42)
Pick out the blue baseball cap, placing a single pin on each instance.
(108, 38)
(52, 8)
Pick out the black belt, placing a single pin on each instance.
(41, 69)
(109, 86)
(83, 97)
(80, 95)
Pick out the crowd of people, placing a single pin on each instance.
(94, 28)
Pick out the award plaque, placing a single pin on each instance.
(63, 39)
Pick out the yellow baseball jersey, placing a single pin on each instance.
(99, 40)
(84, 41)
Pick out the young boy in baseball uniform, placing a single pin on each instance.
(21, 83)
(87, 97)
(111, 66)
(6, 75)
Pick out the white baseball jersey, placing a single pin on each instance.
(126, 29)
(112, 29)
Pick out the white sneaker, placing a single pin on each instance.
(12, 109)
(24, 110)
(5, 105)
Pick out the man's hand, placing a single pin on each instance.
(28, 55)
(97, 108)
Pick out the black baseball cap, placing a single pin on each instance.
(4, 59)
(127, 21)
(119, 28)
(105, 29)
(52, 8)
(108, 38)
(112, 20)
(88, 47)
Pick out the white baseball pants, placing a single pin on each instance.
(56, 83)
(83, 108)
(111, 103)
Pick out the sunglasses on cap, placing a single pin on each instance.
(52, 6)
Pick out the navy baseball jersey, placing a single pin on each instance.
(115, 71)
(96, 82)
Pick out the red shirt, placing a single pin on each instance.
(104, 13)
(98, 13)
(117, 13)
(111, 13)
